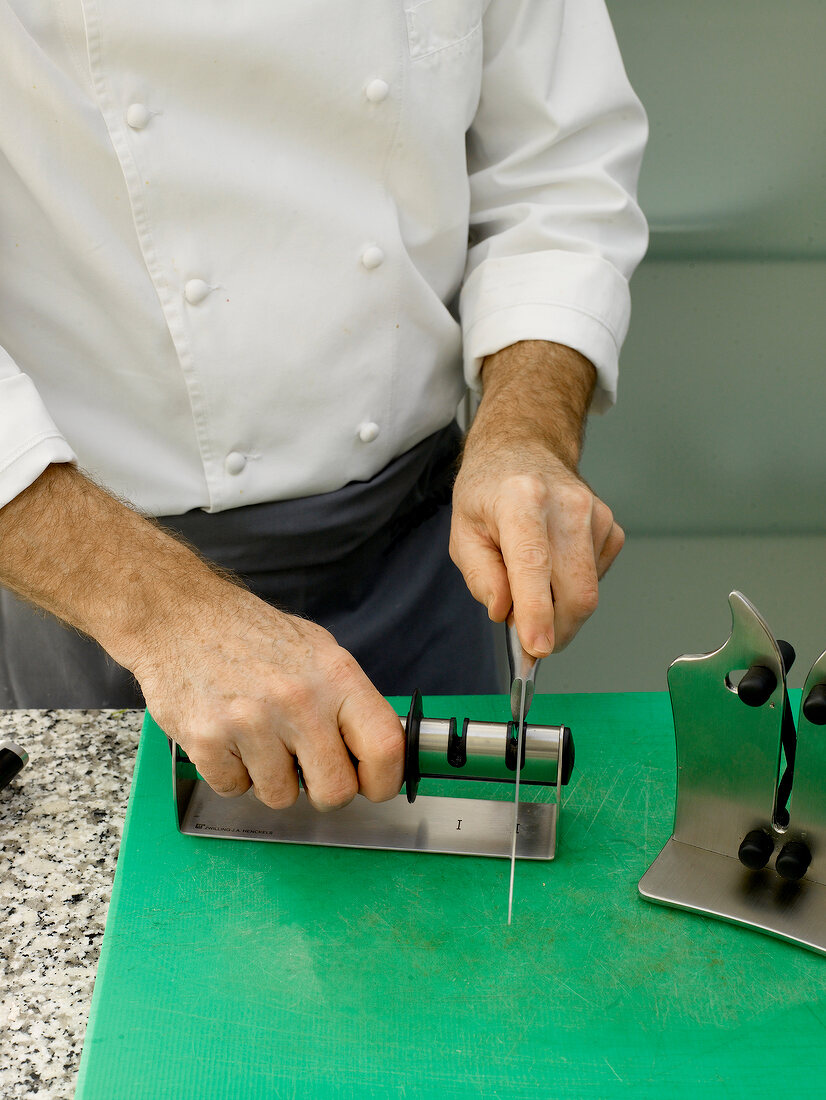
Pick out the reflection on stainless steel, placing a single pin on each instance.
(719, 886)
(486, 746)
(727, 752)
(433, 737)
(462, 826)
(523, 668)
(808, 804)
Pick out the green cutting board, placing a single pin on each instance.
(235, 969)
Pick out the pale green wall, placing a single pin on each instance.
(715, 457)
(720, 422)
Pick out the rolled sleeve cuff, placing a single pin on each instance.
(29, 438)
(569, 298)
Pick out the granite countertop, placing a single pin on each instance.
(61, 820)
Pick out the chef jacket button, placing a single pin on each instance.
(372, 257)
(196, 290)
(377, 90)
(368, 431)
(235, 462)
(137, 116)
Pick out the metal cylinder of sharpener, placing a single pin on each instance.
(485, 751)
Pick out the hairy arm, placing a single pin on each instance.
(527, 532)
(245, 688)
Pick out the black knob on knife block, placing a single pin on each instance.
(756, 849)
(814, 708)
(787, 653)
(793, 861)
(757, 685)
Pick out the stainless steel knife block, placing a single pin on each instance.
(436, 748)
(749, 838)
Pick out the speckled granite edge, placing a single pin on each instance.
(61, 821)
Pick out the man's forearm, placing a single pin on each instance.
(245, 688)
(77, 552)
(537, 391)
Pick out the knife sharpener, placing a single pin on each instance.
(435, 749)
(749, 838)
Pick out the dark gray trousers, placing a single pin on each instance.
(368, 562)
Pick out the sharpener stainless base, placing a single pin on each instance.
(719, 886)
(749, 839)
(436, 748)
(459, 826)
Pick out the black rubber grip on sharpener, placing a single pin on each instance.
(814, 708)
(412, 774)
(757, 686)
(568, 755)
(793, 861)
(787, 653)
(457, 744)
(511, 744)
(755, 849)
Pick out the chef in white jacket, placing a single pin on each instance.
(250, 257)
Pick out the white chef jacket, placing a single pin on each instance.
(234, 261)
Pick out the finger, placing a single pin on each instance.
(481, 564)
(575, 585)
(526, 551)
(328, 772)
(614, 542)
(374, 735)
(273, 772)
(222, 769)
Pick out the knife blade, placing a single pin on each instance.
(523, 672)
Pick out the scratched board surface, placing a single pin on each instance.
(256, 970)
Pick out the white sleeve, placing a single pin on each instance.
(29, 439)
(553, 158)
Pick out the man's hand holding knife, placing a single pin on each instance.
(528, 534)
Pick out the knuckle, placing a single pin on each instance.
(579, 502)
(337, 794)
(533, 554)
(585, 603)
(473, 578)
(389, 747)
(533, 605)
(343, 671)
(228, 787)
(201, 747)
(278, 796)
(244, 713)
(302, 699)
(527, 490)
